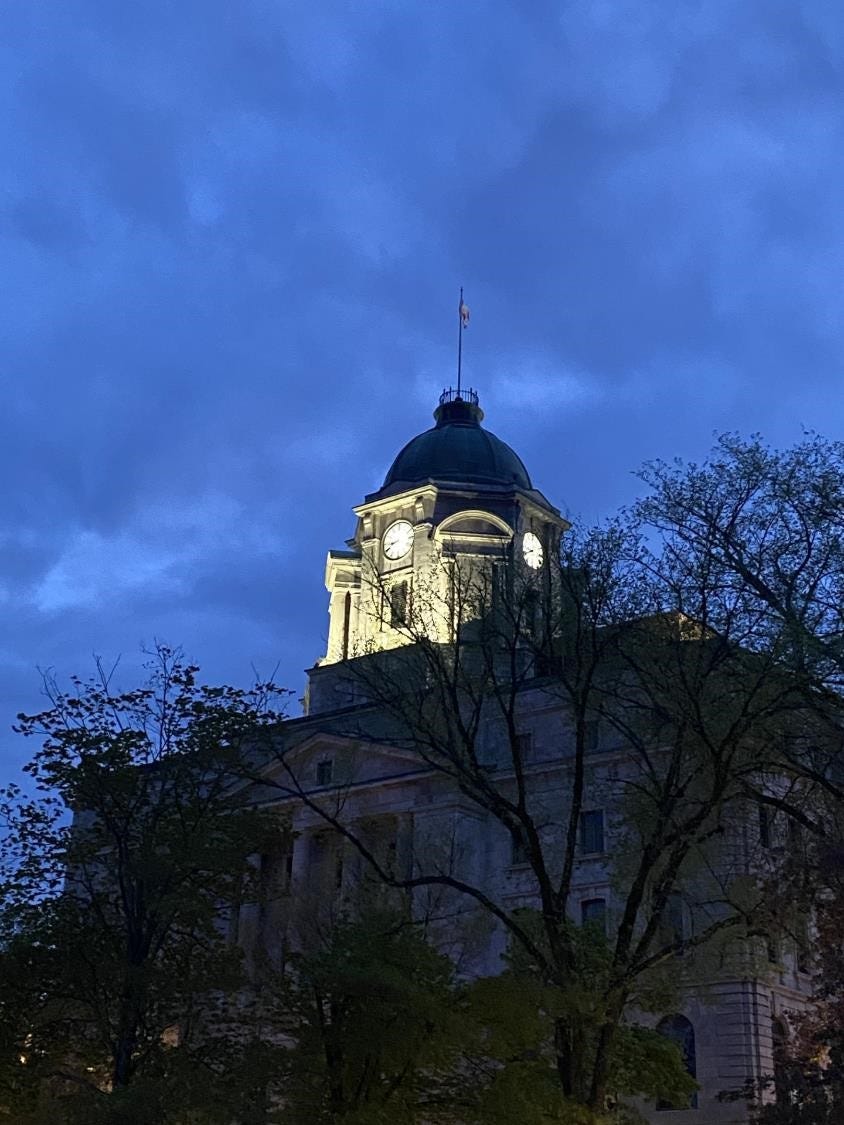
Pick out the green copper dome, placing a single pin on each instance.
(458, 450)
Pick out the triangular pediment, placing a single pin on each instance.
(327, 761)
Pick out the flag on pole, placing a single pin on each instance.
(464, 313)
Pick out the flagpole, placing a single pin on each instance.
(459, 339)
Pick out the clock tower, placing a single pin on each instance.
(454, 494)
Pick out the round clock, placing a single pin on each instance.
(532, 550)
(398, 539)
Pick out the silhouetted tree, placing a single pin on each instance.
(766, 528)
(116, 972)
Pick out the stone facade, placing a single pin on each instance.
(405, 810)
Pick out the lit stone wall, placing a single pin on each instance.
(425, 825)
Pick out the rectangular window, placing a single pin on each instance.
(524, 746)
(234, 923)
(802, 956)
(234, 913)
(518, 851)
(764, 826)
(172, 1036)
(673, 923)
(531, 614)
(390, 861)
(324, 771)
(275, 875)
(488, 758)
(772, 950)
(266, 872)
(489, 745)
(590, 734)
(273, 885)
(398, 605)
(593, 912)
(592, 832)
(499, 584)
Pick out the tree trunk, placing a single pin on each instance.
(126, 1040)
(564, 1051)
(334, 1062)
(124, 1051)
(603, 1056)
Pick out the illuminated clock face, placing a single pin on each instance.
(532, 550)
(398, 539)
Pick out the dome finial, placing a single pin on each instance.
(458, 406)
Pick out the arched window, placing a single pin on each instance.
(779, 1044)
(680, 1031)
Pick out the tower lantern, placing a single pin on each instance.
(454, 493)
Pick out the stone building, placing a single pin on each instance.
(457, 492)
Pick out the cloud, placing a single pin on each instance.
(94, 570)
(537, 383)
(161, 550)
(232, 241)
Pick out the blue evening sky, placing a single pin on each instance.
(232, 240)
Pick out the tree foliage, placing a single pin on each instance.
(381, 1030)
(371, 1018)
(767, 526)
(806, 1085)
(114, 963)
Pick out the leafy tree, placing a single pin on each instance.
(114, 963)
(380, 1031)
(806, 1086)
(372, 1020)
(766, 526)
(516, 1017)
